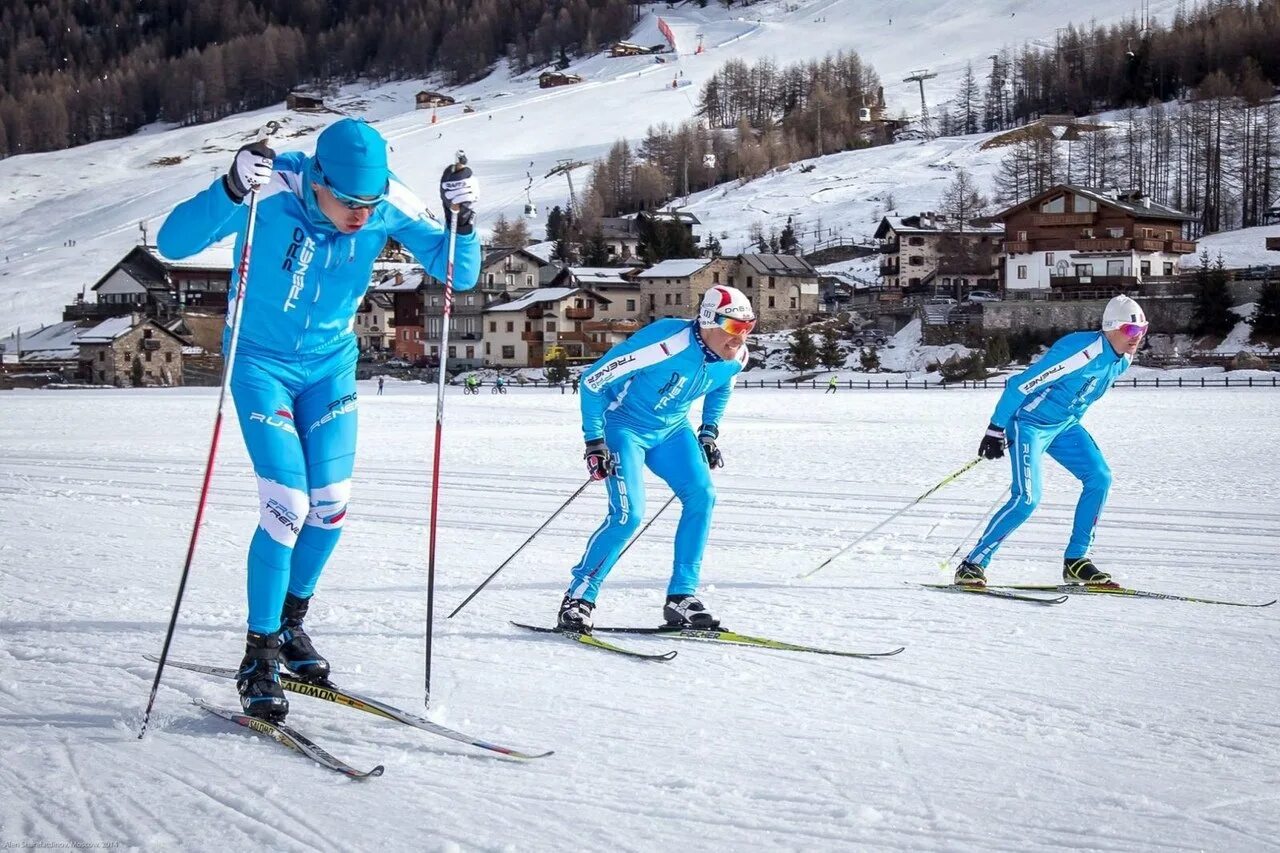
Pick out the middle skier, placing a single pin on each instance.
(635, 406)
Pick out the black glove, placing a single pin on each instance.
(250, 170)
(993, 443)
(600, 462)
(458, 186)
(707, 435)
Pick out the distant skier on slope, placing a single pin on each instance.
(322, 220)
(635, 403)
(1040, 410)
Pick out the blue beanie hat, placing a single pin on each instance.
(352, 158)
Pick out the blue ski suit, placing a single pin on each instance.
(293, 380)
(637, 398)
(1040, 411)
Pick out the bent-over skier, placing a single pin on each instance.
(635, 403)
(1040, 413)
(322, 220)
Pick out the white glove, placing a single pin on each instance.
(251, 169)
(459, 187)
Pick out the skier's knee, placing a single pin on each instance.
(699, 497)
(329, 505)
(1099, 479)
(281, 511)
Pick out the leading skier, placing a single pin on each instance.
(1040, 413)
(322, 221)
(635, 403)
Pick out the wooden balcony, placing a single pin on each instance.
(572, 337)
(531, 337)
(1053, 220)
(1147, 244)
(1187, 247)
(889, 267)
(598, 347)
(1104, 244)
(1099, 283)
(625, 327)
(1017, 247)
(580, 313)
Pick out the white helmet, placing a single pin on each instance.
(1120, 310)
(721, 301)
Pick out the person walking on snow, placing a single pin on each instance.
(380, 381)
(1040, 412)
(635, 403)
(322, 220)
(831, 386)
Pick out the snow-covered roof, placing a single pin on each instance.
(608, 276)
(53, 342)
(925, 223)
(534, 297)
(675, 268)
(106, 331)
(219, 256)
(542, 250)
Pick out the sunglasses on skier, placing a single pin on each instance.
(1132, 330)
(735, 326)
(350, 202)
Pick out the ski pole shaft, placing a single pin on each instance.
(460, 161)
(946, 564)
(949, 478)
(505, 562)
(237, 308)
(646, 527)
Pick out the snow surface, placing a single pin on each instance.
(99, 194)
(1100, 724)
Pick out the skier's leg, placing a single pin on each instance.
(1075, 450)
(681, 463)
(265, 408)
(327, 422)
(626, 509)
(1026, 447)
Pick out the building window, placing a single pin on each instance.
(1084, 270)
(1146, 268)
(715, 278)
(1084, 205)
(168, 358)
(102, 376)
(1086, 233)
(435, 301)
(511, 327)
(770, 301)
(486, 348)
(551, 325)
(1117, 267)
(793, 303)
(1115, 233)
(453, 351)
(509, 352)
(748, 281)
(1022, 236)
(146, 333)
(1168, 268)
(653, 300)
(102, 356)
(731, 281)
(577, 303)
(471, 352)
(511, 279)
(528, 281)
(916, 260)
(528, 327)
(631, 305)
(771, 282)
(1048, 259)
(493, 327)
(678, 298)
(1022, 271)
(1055, 205)
(489, 278)
(666, 299)
(915, 241)
(148, 355)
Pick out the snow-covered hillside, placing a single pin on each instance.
(97, 195)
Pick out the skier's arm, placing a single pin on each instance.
(1063, 358)
(717, 399)
(201, 221)
(622, 361)
(410, 223)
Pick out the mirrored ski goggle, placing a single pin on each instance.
(351, 202)
(735, 326)
(1133, 330)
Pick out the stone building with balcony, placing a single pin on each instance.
(782, 288)
(375, 324)
(513, 271)
(617, 284)
(523, 330)
(673, 288)
(130, 351)
(931, 253)
(1073, 238)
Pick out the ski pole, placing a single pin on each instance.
(946, 564)
(237, 310)
(485, 583)
(646, 526)
(460, 160)
(847, 548)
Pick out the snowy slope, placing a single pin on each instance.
(1096, 725)
(97, 194)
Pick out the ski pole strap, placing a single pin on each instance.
(948, 479)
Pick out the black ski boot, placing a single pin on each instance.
(1082, 570)
(970, 574)
(296, 651)
(686, 611)
(258, 678)
(575, 615)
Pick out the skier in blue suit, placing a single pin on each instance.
(1040, 412)
(635, 404)
(322, 221)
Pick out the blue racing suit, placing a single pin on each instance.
(637, 398)
(293, 380)
(1040, 411)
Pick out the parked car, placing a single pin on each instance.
(982, 296)
(872, 337)
(940, 300)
